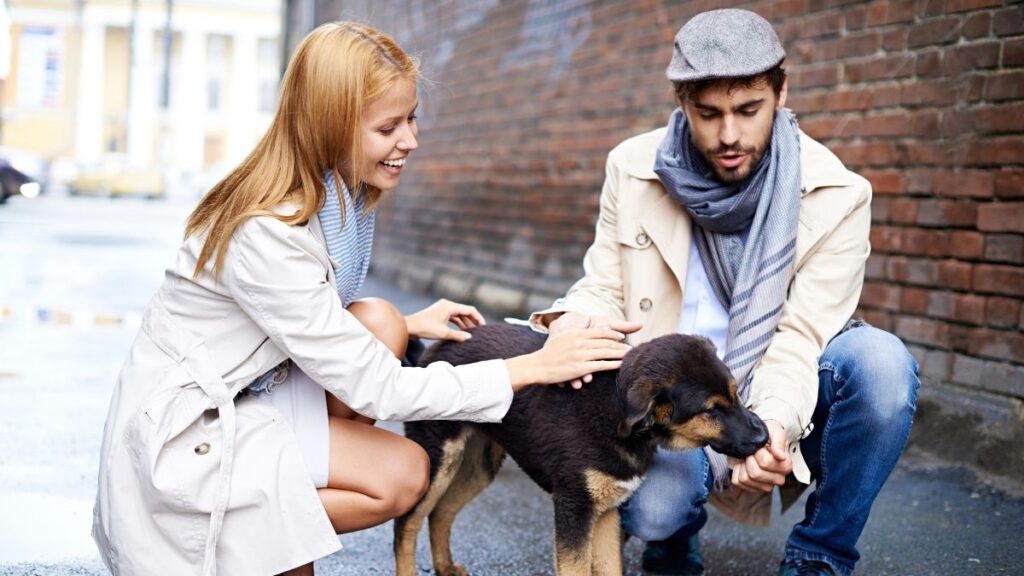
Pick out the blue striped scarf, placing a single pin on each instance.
(349, 239)
(746, 237)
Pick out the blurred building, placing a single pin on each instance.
(89, 86)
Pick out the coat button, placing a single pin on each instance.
(642, 239)
(202, 449)
(645, 304)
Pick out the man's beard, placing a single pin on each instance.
(740, 173)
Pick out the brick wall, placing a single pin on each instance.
(925, 98)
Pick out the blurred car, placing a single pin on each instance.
(112, 179)
(21, 173)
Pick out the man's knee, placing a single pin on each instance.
(655, 519)
(879, 366)
(384, 321)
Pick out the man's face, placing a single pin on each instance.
(732, 128)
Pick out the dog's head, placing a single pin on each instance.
(676, 388)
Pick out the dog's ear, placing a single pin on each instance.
(639, 406)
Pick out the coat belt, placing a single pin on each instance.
(189, 350)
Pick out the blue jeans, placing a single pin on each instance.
(867, 394)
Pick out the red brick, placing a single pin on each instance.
(966, 244)
(966, 183)
(932, 92)
(877, 267)
(1008, 22)
(1007, 248)
(879, 209)
(1002, 312)
(878, 295)
(969, 308)
(1010, 183)
(996, 151)
(1005, 86)
(887, 67)
(1013, 52)
(895, 39)
(947, 213)
(969, 5)
(885, 181)
(814, 75)
(878, 319)
(803, 102)
(940, 304)
(955, 274)
(1001, 217)
(996, 279)
(997, 344)
(922, 330)
(886, 239)
(971, 57)
(859, 45)
(931, 8)
(933, 32)
(892, 12)
(855, 18)
(912, 271)
(818, 25)
(999, 119)
(977, 25)
(929, 64)
(903, 211)
(867, 98)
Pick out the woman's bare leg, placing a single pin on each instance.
(385, 322)
(374, 475)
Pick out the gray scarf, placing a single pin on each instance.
(746, 236)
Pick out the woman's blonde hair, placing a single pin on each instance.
(336, 71)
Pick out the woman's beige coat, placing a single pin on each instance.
(636, 270)
(194, 480)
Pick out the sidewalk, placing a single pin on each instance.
(931, 519)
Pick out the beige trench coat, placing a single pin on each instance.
(636, 270)
(192, 479)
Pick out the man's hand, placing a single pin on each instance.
(433, 322)
(769, 466)
(579, 321)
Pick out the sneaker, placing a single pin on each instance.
(805, 568)
(673, 557)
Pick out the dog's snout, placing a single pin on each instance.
(761, 431)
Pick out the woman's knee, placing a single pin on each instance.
(409, 480)
(384, 321)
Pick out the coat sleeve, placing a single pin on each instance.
(599, 291)
(822, 296)
(272, 271)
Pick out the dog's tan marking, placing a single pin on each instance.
(694, 433)
(734, 391)
(663, 413)
(607, 491)
(408, 527)
(716, 401)
(606, 545)
(628, 457)
(470, 479)
(571, 562)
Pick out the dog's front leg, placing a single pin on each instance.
(606, 544)
(574, 529)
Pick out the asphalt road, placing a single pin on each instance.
(75, 275)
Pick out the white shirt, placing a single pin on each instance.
(702, 313)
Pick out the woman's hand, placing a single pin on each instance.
(576, 320)
(569, 355)
(432, 322)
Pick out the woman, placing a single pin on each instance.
(221, 449)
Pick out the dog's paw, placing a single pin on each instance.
(452, 570)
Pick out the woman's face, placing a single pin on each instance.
(388, 134)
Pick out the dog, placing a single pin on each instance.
(588, 448)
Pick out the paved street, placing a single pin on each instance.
(75, 275)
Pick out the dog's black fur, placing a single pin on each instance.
(589, 448)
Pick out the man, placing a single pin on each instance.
(732, 223)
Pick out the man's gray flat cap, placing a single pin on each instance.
(726, 43)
